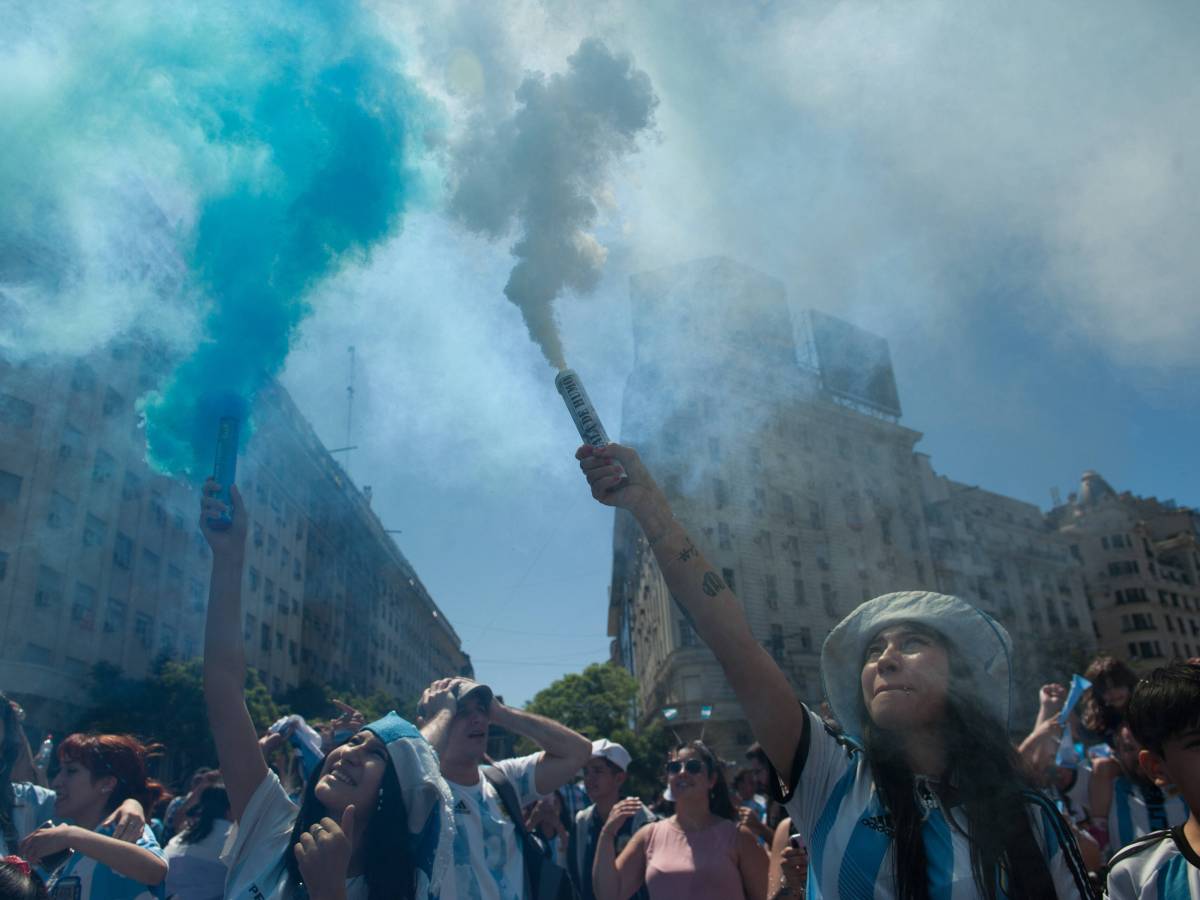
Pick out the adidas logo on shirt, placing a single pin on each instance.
(461, 808)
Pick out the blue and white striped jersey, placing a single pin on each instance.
(836, 808)
(1158, 866)
(1138, 810)
(84, 878)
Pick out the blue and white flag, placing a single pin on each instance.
(670, 712)
(1079, 684)
(706, 712)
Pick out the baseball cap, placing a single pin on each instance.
(613, 752)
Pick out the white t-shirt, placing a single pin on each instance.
(488, 864)
(196, 871)
(83, 878)
(254, 851)
(33, 806)
(1159, 866)
(837, 809)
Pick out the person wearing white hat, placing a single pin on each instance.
(603, 777)
(922, 795)
(376, 819)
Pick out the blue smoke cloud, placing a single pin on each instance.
(280, 138)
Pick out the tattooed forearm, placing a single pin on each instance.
(687, 552)
(713, 584)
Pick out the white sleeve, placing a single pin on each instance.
(520, 773)
(266, 822)
(1058, 847)
(1120, 883)
(823, 761)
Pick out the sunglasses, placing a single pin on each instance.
(692, 767)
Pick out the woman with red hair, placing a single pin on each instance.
(97, 773)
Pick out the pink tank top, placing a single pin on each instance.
(692, 865)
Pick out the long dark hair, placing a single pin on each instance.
(985, 771)
(389, 868)
(9, 751)
(719, 801)
(213, 804)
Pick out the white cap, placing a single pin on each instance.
(614, 753)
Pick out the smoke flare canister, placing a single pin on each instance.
(225, 468)
(579, 405)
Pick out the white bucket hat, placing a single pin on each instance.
(980, 641)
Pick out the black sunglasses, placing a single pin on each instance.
(692, 766)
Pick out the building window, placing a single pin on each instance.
(296, 574)
(727, 574)
(103, 468)
(95, 531)
(805, 639)
(272, 543)
(815, 519)
(143, 630)
(83, 609)
(268, 591)
(258, 535)
(15, 412)
(150, 563)
(71, 443)
(265, 638)
(114, 616)
(775, 643)
(122, 551)
(48, 593)
(771, 591)
(253, 578)
(62, 511)
(687, 634)
(719, 493)
(798, 590)
(10, 486)
(131, 489)
(724, 538)
(3, 565)
(829, 599)
(251, 621)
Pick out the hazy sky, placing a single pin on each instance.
(1009, 194)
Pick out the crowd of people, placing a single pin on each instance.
(906, 783)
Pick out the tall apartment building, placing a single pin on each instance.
(101, 558)
(792, 471)
(1141, 567)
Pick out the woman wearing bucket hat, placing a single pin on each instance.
(375, 819)
(922, 795)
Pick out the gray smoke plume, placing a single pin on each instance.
(543, 169)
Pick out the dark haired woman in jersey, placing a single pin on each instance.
(97, 773)
(375, 820)
(922, 795)
(194, 855)
(699, 853)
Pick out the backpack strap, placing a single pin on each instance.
(530, 850)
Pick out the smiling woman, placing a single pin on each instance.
(375, 819)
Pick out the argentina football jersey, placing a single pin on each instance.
(837, 809)
(84, 878)
(1158, 866)
(1139, 809)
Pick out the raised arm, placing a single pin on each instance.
(242, 763)
(564, 752)
(131, 860)
(618, 478)
(617, 877)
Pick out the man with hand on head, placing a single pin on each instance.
(489, 842)
(603, 778)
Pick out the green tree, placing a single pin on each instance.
(314, 700)
(598, 703)
(167, 708)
